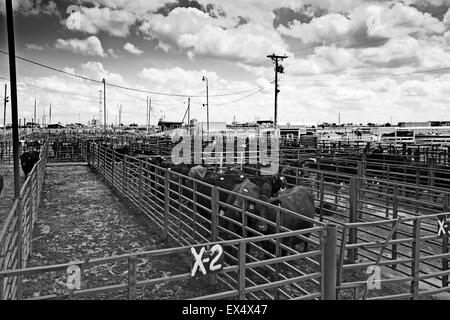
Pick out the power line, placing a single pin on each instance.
(125, 87)
(243, 98)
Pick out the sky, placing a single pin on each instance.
(369, 61)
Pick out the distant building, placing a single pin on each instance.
(265, 123)
(55, 126)
(424, 124)
(167, 125)
(291, 131)
(202, 127)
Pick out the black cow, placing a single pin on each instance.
(270, 185)
(28, 160)
(249, 189)
(223, 179)
(298, 200)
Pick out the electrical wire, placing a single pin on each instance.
(125, 87)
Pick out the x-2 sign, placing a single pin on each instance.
(205, 256)
(444, 226)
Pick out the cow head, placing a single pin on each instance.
(279, 184)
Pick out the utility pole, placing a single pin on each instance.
(5, 101)
(14, 112)
(189, 112)
(278, 69)
(146, 119)
(34, 119)
(104, 104)
(50, 114)
(149, 113)
(100, 107)
(207, 104)
(120, 115)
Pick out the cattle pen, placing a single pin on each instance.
(372, 221)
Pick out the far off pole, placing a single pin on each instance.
(104, 104)
(5, 102)
(149, 111)
(278, 69)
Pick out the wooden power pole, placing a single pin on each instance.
(278, 69)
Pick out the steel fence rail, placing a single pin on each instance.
(16, 233)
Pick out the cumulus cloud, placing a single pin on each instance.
(96, 70)
(91, 46)
(370, 20)
(201, 35)
(113, 22)
(131, 48)
(33, 7)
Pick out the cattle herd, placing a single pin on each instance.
(243, 181)
(248, 182)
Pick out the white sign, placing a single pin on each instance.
(373, 282)
(211, 258)
(74, 277)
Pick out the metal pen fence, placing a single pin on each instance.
(188, 211)
(16, 232)
(380, 223)
(383, 219)
(174, 203)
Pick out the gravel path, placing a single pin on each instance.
(81, 217)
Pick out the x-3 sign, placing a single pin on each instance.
(443, 226)
(211, 257)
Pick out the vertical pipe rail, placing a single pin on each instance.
(328, 262)
(241, 271)
(415, 265)
(132, 265)
(352, 238)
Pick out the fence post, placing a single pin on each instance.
(395, 217)
(166, 202)
(20, 257)
(214, 213)
(322, 195)
(113, 162)
(277, 249)
(104, 163)
(244, 218)
(140, 185)
(352, 235)
(415, 260)
(329, 248)
(194, 210)
(132, 263)
(241, 276)
(360, 173)
(124, 175)
(445, 242)
(98, 159)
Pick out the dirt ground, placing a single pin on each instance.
(81, 217)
